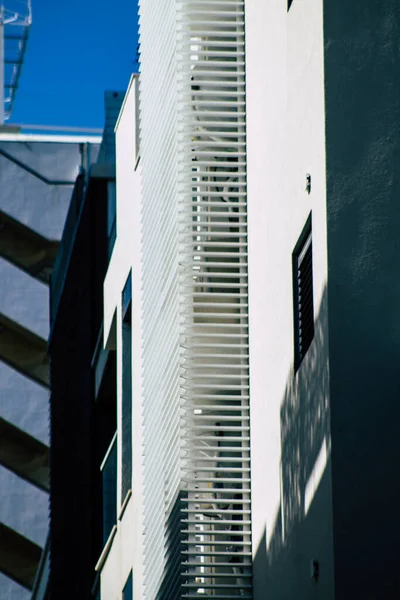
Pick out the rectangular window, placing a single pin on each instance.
(105, 440)
(126, 389)
(127, 592)
(137, 122)
(111, 216)
(303, 303)
(109, 484)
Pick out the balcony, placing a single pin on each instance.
(27, 249)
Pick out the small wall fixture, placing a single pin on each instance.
(308, 183)
(314, 570)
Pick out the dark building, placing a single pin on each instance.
(37, 176)
(83, 377)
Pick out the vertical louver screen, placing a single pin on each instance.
(213, 292)
(158, 97)
(196, 434)
(303, 294)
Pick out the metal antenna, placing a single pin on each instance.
(15, 21)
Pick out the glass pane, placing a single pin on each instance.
(109, 477)
(127, 593)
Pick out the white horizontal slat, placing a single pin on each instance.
(195, 300)
(160, 293)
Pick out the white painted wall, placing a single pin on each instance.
(125, 552)
(289, 427)
(289, 413)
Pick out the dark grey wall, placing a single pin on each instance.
(362, 86)
(42, 207)
(74, 481)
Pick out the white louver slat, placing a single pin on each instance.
(196, 434)
(160, 303)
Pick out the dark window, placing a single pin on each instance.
(96, 591)
(289, 3)
(106, 452)
(303, 294)
(127, 592)
(126, 389)
(111, 217)
(109, 480)
(137, 120)
(126, 298)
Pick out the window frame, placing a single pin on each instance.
(302, 246)
(126, 399)
(128, 587)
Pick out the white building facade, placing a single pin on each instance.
(252, 474)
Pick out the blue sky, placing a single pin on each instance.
(76, 50)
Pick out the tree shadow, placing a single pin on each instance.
(302, 532)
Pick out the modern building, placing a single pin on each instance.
(83, 393)
(37, 175)
(246, 383)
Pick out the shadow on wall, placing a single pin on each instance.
(302, 532)
(170, 587)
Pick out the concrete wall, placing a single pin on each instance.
(112, 106)
(362, 79)
(125, 552)
(290, 430)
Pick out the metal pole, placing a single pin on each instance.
(2, 65)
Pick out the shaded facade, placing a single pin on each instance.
(83, 377)
(74, 334)
(37, 176)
